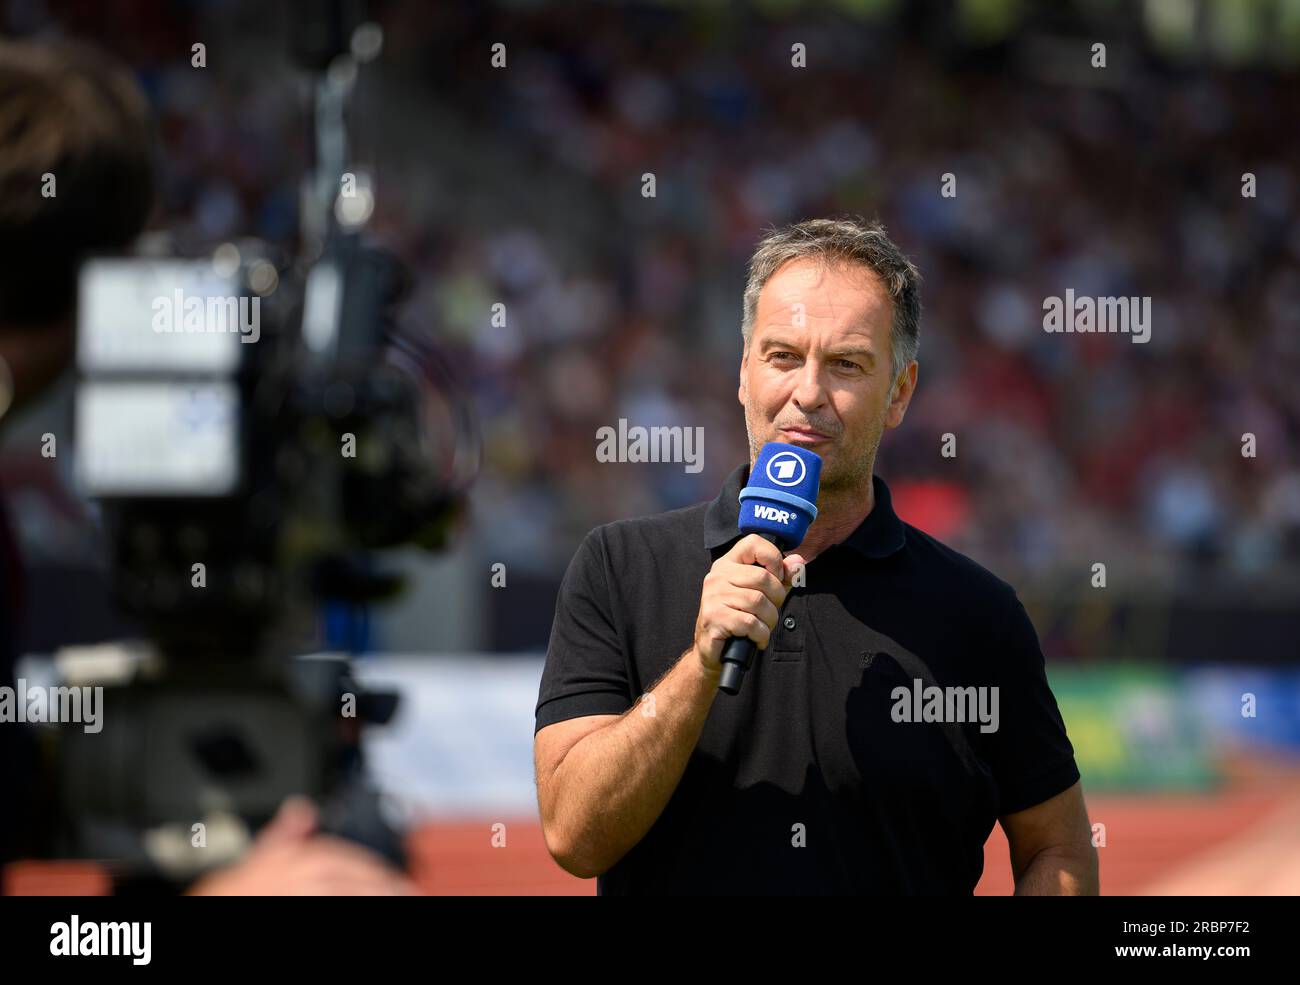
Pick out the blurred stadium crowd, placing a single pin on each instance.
(523, 186)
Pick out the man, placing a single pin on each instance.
(76, 176)
(817, 777)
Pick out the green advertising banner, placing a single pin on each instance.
(1132, 728)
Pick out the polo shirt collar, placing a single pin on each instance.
(879, 535)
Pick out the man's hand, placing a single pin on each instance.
(742, 595)
(289, 859)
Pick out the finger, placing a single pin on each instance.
(753, 577)
(753, 549)
(293, 822)
(746, 624)
(793, 563)
(755, 603)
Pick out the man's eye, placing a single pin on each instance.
(848, 363)
(779, 355)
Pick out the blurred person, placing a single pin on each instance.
(807, 781)
(70, 112)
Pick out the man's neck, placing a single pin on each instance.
(838, 515)
(839, 512)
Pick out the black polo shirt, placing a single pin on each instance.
(805, 782)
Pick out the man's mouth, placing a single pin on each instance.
(805, 435)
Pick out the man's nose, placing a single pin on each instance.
(809, 394)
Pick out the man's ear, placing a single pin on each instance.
(740, 392)
(901, 395)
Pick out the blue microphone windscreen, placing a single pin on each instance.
(781, 497)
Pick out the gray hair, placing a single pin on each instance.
(852, 240)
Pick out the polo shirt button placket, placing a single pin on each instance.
(787, 641)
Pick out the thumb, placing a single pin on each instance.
(792, 563)
(293, 822)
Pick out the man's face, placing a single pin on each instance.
(820, 360)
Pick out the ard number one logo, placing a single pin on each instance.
(786, 469)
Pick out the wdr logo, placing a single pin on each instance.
(771, 513)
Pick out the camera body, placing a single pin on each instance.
(252, 430)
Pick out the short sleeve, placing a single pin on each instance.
(585, 671)
(1031, 755)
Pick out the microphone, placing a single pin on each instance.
(779, 504)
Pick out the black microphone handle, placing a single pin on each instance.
(738, 654)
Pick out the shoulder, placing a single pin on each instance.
(986, 606)
(953, 573)
(679, 530)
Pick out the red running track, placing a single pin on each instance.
(1149, 838)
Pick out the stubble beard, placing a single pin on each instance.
(841, 473)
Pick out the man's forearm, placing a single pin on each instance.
(1060, 874)
(613, 784)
